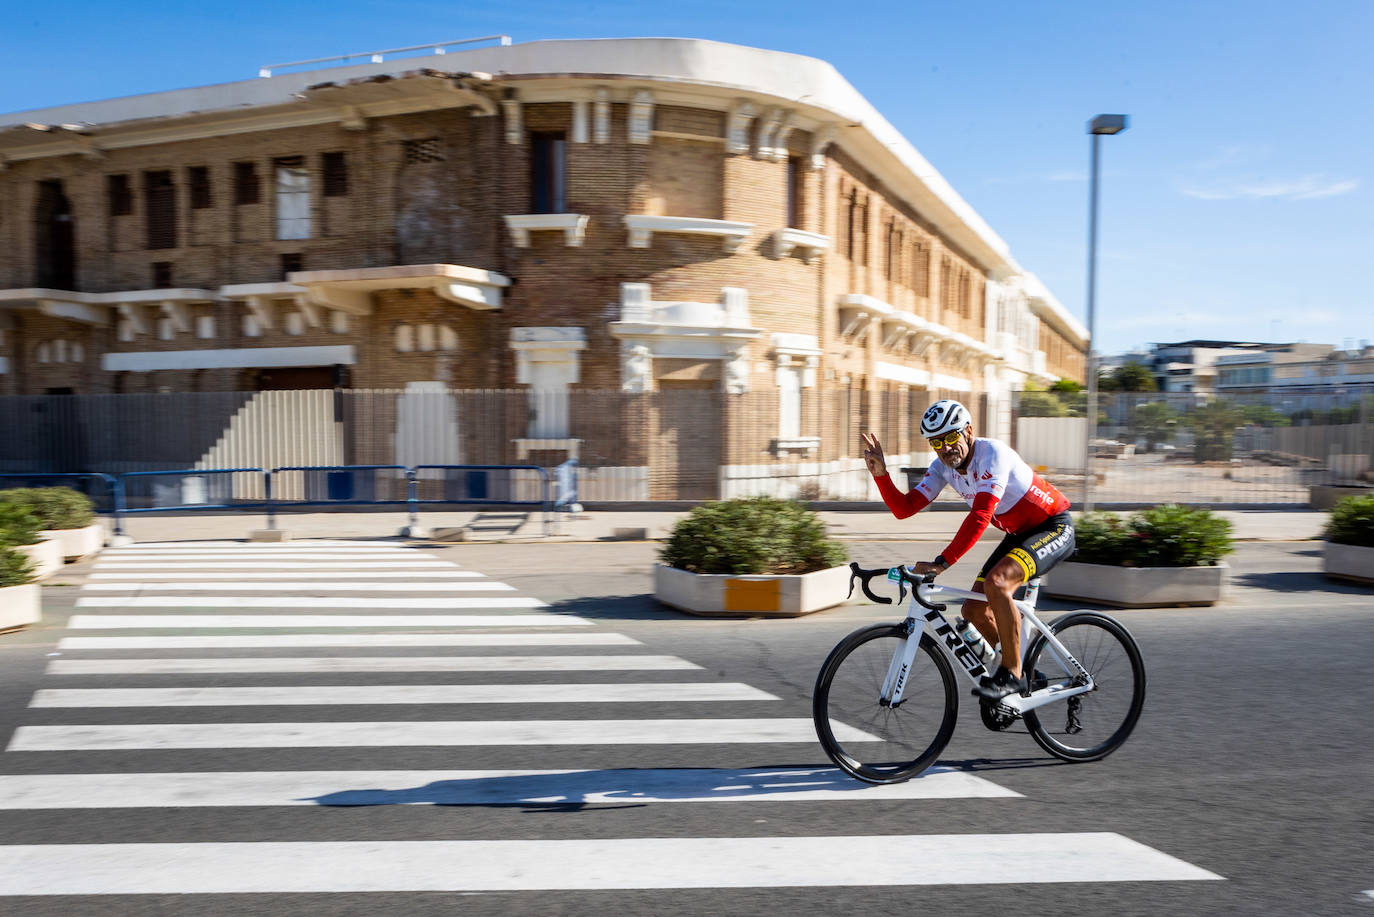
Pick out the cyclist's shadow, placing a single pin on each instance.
(574, 790)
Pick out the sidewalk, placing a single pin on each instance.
(875, 525)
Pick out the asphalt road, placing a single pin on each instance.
(1253, 759)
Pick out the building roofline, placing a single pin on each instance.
(807, 85)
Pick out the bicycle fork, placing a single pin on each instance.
(899, 669)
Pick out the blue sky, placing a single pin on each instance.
(1237, 206)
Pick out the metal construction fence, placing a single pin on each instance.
(1259, 447)
(690, 440)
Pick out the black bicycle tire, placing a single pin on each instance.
(1122, 732)
(820, 715)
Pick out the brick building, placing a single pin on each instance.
(641, 215)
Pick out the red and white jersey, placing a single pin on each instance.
(1024, 498)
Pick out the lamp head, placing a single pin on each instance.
(1107, 124)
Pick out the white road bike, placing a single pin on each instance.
(896, 683)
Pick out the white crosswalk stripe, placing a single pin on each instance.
(466, 733)
(496, 865)
(292, 586)
(264, 641)
(313, 695)
(208, 622)
(583, 663)
(324, 597)
(409, 575)
(251, 601)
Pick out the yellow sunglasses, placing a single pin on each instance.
(944, 442)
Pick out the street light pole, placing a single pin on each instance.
(1102, 124)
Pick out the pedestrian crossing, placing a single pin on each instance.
(149, 672)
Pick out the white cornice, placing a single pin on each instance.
(810, 244)
(572, 225)
(643, 226)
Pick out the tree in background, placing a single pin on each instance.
(1214, 424)
(1129, 377)
(1264, 415)
(1036, 402)
(1154, 422)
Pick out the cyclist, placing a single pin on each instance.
(1002, 490)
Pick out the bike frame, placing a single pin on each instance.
(926, 597)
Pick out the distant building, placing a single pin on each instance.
(1190, 366)
(1295, 368)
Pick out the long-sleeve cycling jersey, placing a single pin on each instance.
(997, 483)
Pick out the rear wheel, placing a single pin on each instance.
(1090, 726)
(867, 738)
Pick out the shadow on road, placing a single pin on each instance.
(562, 791)
(1287, 581)
(975, 765)
(643, 607)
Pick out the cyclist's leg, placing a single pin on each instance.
(1002, 581)
(978, 613)
(1031, 554)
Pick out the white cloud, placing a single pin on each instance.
(1064, 175)
(1307, 187)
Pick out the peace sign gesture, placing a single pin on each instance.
(873, 455)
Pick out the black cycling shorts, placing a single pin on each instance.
(1035, 550)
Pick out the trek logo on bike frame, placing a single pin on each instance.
(901, 680)
(961, 650)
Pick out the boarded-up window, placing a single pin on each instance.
(428, 149)
(789, 402)
(293, 198)
(160, 209)
(794, 192)
(920, 270)
(686, 179)
(198, 177)
(334, 167)
(245, 183)
(121, 195)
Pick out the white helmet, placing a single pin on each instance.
(943, 417)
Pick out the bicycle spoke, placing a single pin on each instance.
(904, 739)
(1092, 725)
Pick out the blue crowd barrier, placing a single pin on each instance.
(338, 485)
(482, 484)
(320, 485)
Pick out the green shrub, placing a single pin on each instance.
(1352, 522)
(1165, 536)
(18, 525)
(56, 507)
(755, 535)
(15, 568)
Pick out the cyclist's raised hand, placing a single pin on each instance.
(873, 455)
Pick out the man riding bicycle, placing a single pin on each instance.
(1002, 490)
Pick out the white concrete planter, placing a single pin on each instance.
(1137, 587)
(19, 605)
(78, 543)
(1349, 562)
(727, 595)
(46, 556)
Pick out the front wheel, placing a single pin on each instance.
(1090, 726)
(871, 740)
